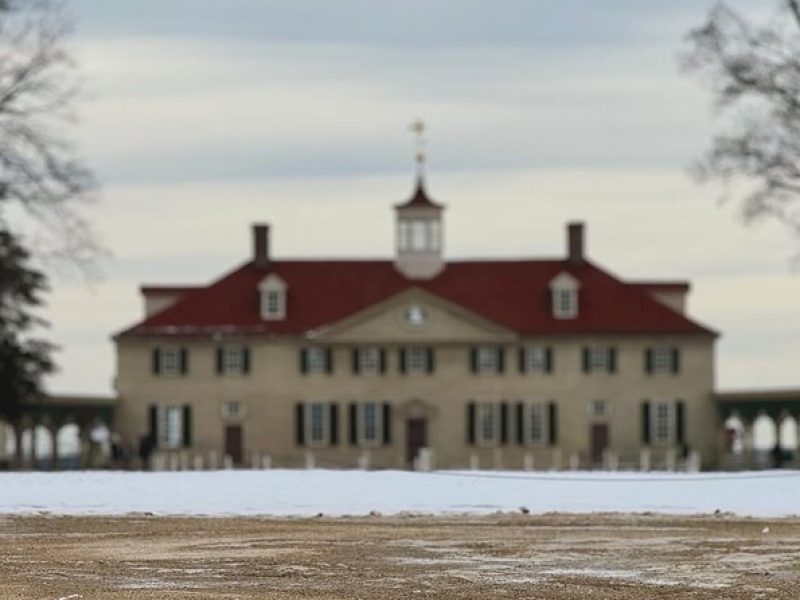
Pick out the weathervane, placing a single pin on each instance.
(418, 127)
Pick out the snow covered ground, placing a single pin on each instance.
(282, 492)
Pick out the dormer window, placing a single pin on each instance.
(273, 298)
(564, 291)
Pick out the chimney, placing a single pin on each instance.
(575, 243)
(261, 245)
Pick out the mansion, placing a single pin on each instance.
(419, 361)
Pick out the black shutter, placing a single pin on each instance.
(156, 364)
(382, 360)
(680, 422)
(187, 425)
(402, 359)
(648, 360)
(245, 359)
(431, 361)
(552, 417)
(501, 359)
(303, 360)
(612, 359)
(504, 423)
(300, 430)
(548, 359)
(328, 361)
(471, 423)
(521, 359)
(586, 365)
(676, 360)
(334, 416)
(184, 361)
(520, 423)
(152, 425)
(220, 360)
(387, 424)
(353, 423)
(646, 423)
(473, 360)
(354, 360)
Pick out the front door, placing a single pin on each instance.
(233, 443)
(416, 438)
(599, 441)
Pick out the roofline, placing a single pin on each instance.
(683, 286)
(751, 394)
(167, 289)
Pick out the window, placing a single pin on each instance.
(598, 408)
(566, 303)
(537, 423)
(404, 234)
(662, 359)
(233, 359)
(172, 427)
(368, 360)
(487, 359)
(564, 293)
(488, 423)
(599, 359)
(317, 423)
(536, 359)
(436, 235)
(232, 410)
(170, 361)
(370, 424)
(316, 360)
(273, 298)
(417, 359)
(662, 422)
(419, 235)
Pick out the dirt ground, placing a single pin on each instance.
(502, 556)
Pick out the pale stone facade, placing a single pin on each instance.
(438, 415)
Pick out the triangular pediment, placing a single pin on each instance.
(414, 315)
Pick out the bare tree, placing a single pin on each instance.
(754, 74)
(39, 170)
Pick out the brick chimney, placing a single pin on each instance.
(575, 243)
(261, 245)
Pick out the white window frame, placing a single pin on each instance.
(663, 360)
(487, 423)
(535, 358)
(536, 410)
(233, 409)
(599, 408)
(662, 423)
(232, 359)
(273, 298)
(312, 410)
(369, 360)
(487, 359)
(169, 360)
(599, 359)
(435, 235)
(420, 236)
(404, 234)
(564, 293)
(316, 359)
(171, 427)
(364, 426)
(417, 359)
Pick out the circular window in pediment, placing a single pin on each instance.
(415, 316)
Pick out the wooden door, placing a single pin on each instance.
(233, 443)
(416, 438)
(599, 441)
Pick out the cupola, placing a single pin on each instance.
(418, 227)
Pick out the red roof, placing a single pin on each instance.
(511, 293)
(663, 286)
(420, 198)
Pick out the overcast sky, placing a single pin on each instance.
(203, 116)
